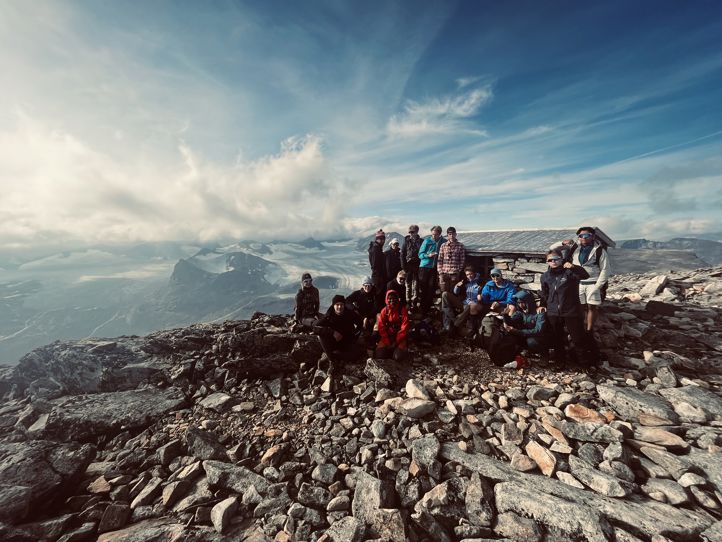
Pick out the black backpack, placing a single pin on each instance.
(501, 346)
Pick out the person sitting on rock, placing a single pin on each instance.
(363, 304)
(560, 301)
(393, 327)
(528, 325)
(496, 296)
(398, 285)
(337, 333)
(307, 304)
(465, 298)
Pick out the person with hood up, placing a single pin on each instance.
(307, 303)
(466, 298)
(428, 254)
(497, 295)
(392, 260)
(393, 328)
(337, 334)
(377, 262)
(363, 303)
(528, 325)
(560, 301)
(410, 263)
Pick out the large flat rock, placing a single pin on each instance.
(635, 514)
(629, 403)
(698, 397)
(39, 471)
(85, 417)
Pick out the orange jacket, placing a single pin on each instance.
(393, 324)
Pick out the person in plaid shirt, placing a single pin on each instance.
(452, 255)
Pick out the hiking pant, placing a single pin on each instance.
(412, 285)
(336, 351)
(582, 349)
(380, 287)
(427, 285)
(449, 305)
(537, 345)
(386, 352)
(448, 280)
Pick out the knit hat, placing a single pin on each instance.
(495, 271)
(394, 241)
(338, 298)
(367, 280)
(306, 276)
(380, 233)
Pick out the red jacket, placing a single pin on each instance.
(393, 324)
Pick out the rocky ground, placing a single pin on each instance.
(226, 432)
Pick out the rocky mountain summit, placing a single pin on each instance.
(228, 432)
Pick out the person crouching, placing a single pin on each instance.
(337, 334)
(393, 326)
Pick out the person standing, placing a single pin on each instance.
(410, 264)
(451, 261)
(428, 253)
(560, 300)
(392, 259)
(307, 302)
(592, 255)
(378, 266)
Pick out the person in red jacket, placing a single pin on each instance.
(393, 326)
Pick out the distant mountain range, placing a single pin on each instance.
(108, 291)
(708, 250)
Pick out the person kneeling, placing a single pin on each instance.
(337, 334)
(393, 326)
(528, 326)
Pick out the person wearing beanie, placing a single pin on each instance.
(527, 325)
(410, 263)
(392, 260)
(337, 332)
(307, 303)
(363, 303)
(560, 300)
(393, 329)
(378, 265)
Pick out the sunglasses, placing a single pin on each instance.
(402, 280)
(550, 260)
(366, 285)
(585, 235)
(307, 281)
(495, 276)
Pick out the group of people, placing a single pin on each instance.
(406, 278)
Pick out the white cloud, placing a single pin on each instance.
(57, 187)
(445, 115)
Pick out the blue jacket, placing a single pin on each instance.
(528, 323)
(427, 247)
(504, 294)
(473, 289)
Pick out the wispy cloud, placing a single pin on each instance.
(443, 115)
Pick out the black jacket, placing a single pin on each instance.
(410, 252)
(364, 304)
(344, 324)
(377, 261)
(560, 291)
(392, 259)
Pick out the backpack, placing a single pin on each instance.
(501, 346)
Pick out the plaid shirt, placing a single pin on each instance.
(451, 257)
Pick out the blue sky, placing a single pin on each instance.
(129, 121)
